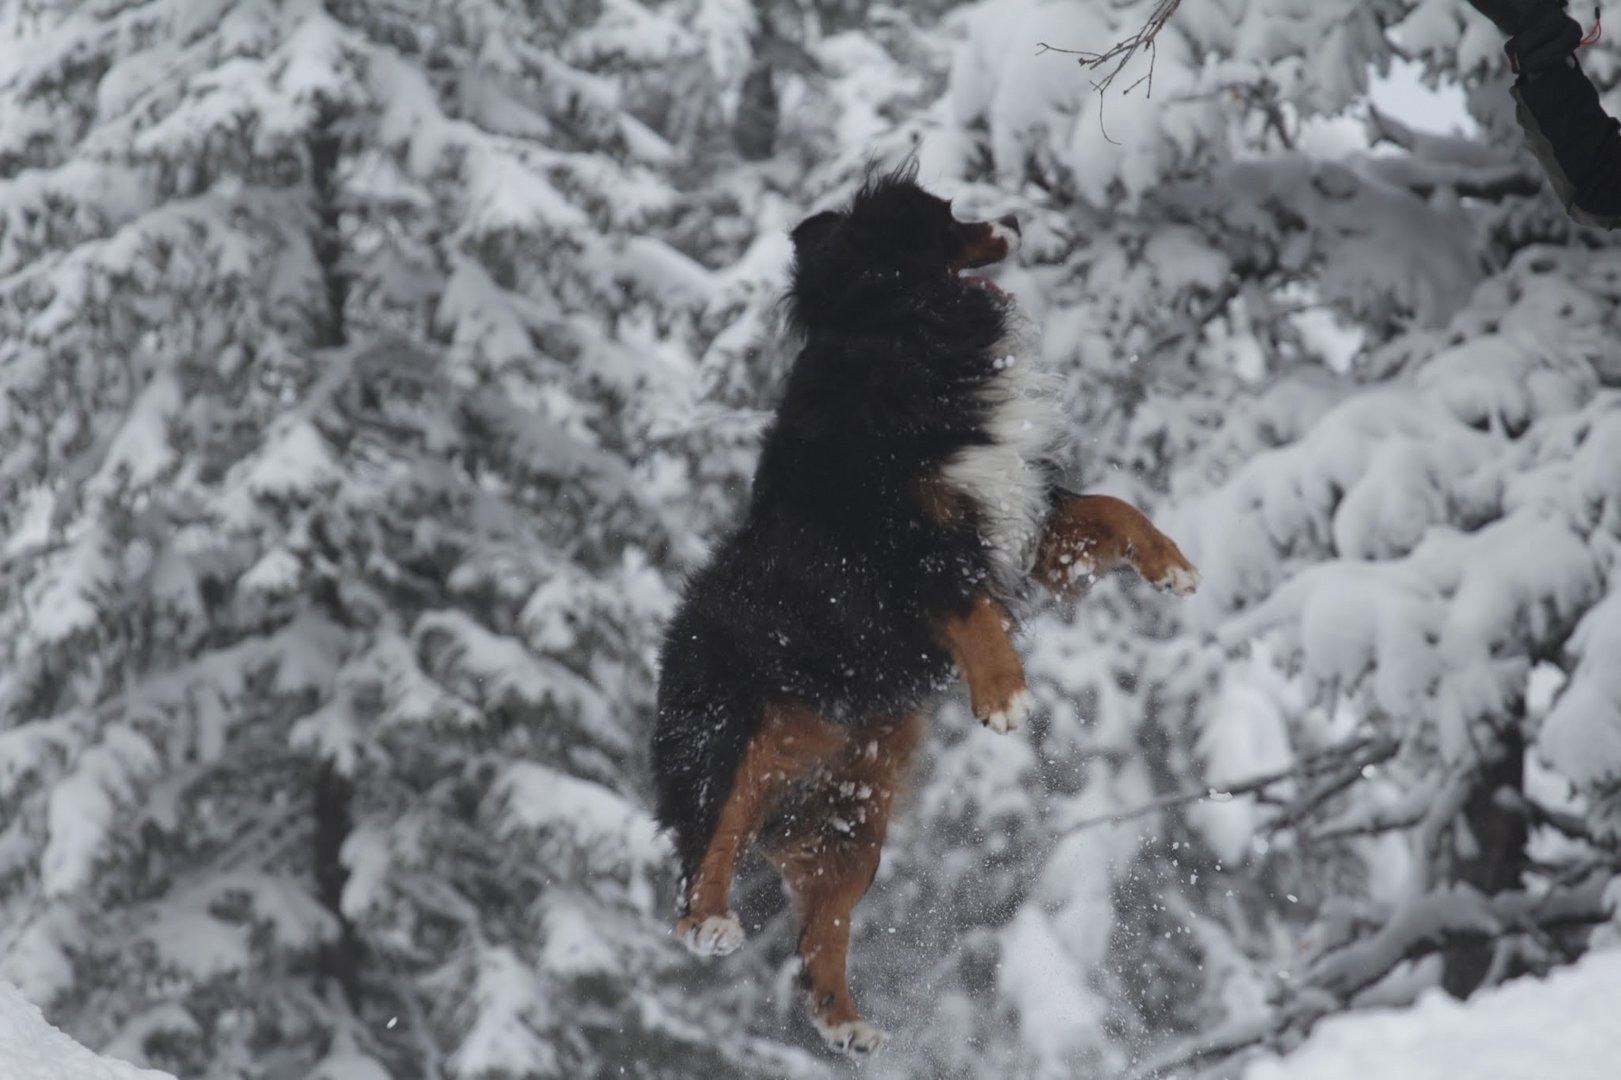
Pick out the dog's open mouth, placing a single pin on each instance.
(973, 281)
(988, 243)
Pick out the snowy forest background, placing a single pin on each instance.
(370, 372)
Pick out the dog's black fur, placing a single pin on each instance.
(830, 594)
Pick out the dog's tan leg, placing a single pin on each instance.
(789, 744)
(1089, 535)
(828, 859)
(980, 645)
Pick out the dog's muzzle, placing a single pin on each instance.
(986, 242)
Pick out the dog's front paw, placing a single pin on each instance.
(854, 1038)
(714, 935)
(1161, 563)
(1010, 714)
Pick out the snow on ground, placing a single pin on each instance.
(31, 1049)
(1564, 1026)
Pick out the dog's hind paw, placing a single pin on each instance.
(1180, 579)
(853, 1038)
(716, 935)
(1010, 715)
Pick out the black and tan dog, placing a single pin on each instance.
(903, 507)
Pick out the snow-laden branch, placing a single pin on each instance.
(1432, 162)
(1431, 923)
(1456, 915)
(34, 1049)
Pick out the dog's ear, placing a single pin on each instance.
(810, 233)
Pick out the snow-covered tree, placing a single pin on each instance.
(371, 373)
(1386, 372)
(1267, 297)
(338, 338)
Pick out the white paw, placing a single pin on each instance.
(1180, 580)
(856, 1038)
(1011, 715)
(718, 935)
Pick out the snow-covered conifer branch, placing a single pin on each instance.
(1430, 924)
(1450, 916)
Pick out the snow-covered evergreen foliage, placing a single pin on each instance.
(335, 338)
(371, 373)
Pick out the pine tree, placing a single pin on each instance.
(336, 340)
(372, 373)
(1402, 526)
(1222, 268)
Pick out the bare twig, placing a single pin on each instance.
(1120, 53)
(1361, 753)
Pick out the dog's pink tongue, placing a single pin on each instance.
(983, 283)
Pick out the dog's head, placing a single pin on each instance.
(895, 244)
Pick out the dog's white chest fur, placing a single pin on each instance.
(1006, 477)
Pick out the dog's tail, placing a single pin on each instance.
(698, 742)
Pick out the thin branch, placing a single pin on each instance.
(1342, 777)
(1381, 821)
(1363, 752)
(1121, 52)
